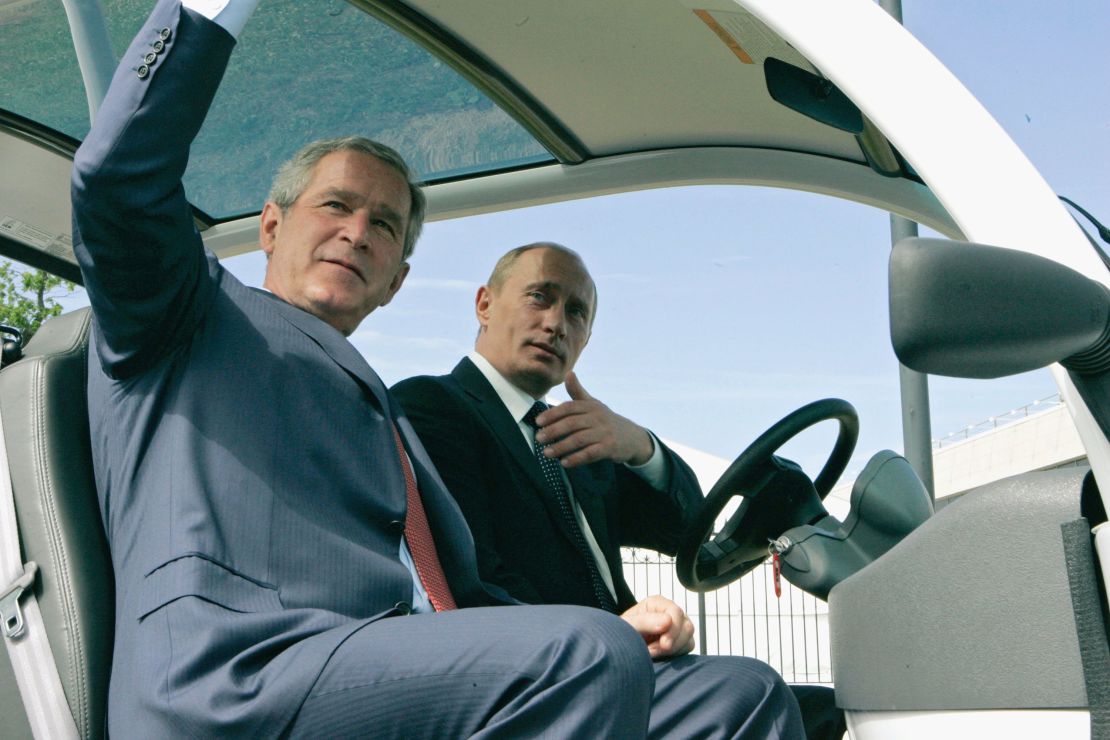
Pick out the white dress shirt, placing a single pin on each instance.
(232, 15)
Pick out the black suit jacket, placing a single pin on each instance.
(524, 544)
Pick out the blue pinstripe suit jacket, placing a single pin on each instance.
(244, 457)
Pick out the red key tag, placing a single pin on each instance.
(776, 568)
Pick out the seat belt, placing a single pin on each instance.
(40, 686)
(1094, 653)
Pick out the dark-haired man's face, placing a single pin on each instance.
(536, 323)
(337, 251)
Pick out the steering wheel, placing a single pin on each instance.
(777, 495)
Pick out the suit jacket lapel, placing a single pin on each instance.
(454, 540)
(334, 344)
(489, 406)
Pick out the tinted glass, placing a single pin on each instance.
(303, 69)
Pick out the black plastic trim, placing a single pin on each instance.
(1095, 359)
(39, 134)
(813, 96)
(40, 260)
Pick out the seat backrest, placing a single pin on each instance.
(46, 429)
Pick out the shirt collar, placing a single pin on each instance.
(516, 401)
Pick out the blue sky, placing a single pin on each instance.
(724, 308)
(721, 309)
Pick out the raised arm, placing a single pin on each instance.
(141, 257)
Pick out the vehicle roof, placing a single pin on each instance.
(498, 105)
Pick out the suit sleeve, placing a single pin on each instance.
(451, 437)
(652, 518)
(141, 258)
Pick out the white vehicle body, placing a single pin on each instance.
(969, 181)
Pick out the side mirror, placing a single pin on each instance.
(975, 311)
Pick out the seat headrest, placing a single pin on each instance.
(60, 335)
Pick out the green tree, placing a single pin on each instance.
(29, 297)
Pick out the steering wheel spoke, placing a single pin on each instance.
(717, 559)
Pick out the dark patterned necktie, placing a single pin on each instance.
(418, 535)
(553, 476)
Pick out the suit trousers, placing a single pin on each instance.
(535, 671)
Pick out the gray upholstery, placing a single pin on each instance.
(972, 610)
(42, 398)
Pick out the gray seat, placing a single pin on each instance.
(45, 416)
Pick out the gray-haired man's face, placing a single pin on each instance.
(337, 251)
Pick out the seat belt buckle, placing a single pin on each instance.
(11, 615)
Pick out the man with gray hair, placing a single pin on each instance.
(287, 561)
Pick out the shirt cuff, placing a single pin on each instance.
(654, 471)
(232, 15)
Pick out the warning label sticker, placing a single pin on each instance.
(724, 35)
(746, 36)
(59, 245)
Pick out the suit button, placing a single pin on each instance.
(158, 46)
(403, 608)
(397, 526)
(150, 57)
(165, 34)
(142, 71)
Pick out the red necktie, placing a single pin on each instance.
(419, 537)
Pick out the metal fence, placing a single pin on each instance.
(745, 618)
(1022, 412)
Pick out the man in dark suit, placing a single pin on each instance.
(623, 486)
(273, 519)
